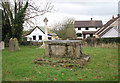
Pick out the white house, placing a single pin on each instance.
(38, 34)
(86, 28)
(110, 29)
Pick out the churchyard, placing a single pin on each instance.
(20, 65)
(67, 50)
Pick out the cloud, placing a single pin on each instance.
(80, 10)
(83, 1)
(88, 8)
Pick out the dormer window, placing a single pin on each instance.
(79, 28)
(87, 28)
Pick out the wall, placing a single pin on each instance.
(83, 29)
(111, 33)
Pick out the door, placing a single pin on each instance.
(84, 35)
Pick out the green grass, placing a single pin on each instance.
(19, 66)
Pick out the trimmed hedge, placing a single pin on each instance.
(102, 40)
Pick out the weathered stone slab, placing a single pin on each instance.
(63, 42)
(67, 48)
(58, 50)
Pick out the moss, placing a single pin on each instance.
(15, 39)
(11, 38)
(15, 45)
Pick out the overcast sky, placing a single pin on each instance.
(80, 10)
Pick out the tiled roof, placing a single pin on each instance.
(91, 23)
(106, 25)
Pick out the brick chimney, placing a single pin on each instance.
(91, 19)
(118, 15)
(113, 17)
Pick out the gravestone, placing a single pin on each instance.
(103, 45)
(16, 44)
(13, 44)
(64, 48)
(2, 45)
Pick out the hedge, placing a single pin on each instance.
(102, 40)
(31, 43)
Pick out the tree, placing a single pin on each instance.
(13, 20)
(0, 25)
(66, 29)
(6, 28)
(15, 14)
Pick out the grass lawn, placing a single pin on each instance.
(19, 66)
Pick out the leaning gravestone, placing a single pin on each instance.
(13, 44)
(16, 44)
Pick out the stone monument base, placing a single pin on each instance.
(64, 48)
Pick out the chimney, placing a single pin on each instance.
(113, 17)
(91, 19)
(118, 15)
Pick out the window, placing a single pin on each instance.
(79, 35)
(40, 37)
(84, 35)
(86, 28)
(49, 38)
(91, 35)
(79, 28)
(34, 37)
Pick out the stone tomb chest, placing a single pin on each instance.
(64, 48)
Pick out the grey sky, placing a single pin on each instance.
(81, 10)
(88, 8)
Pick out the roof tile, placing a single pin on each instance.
(93, 23)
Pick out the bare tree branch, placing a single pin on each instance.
(34, 11)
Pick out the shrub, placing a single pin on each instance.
(26, 43)
(31, 43)
(108, 40)
(102, 41)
